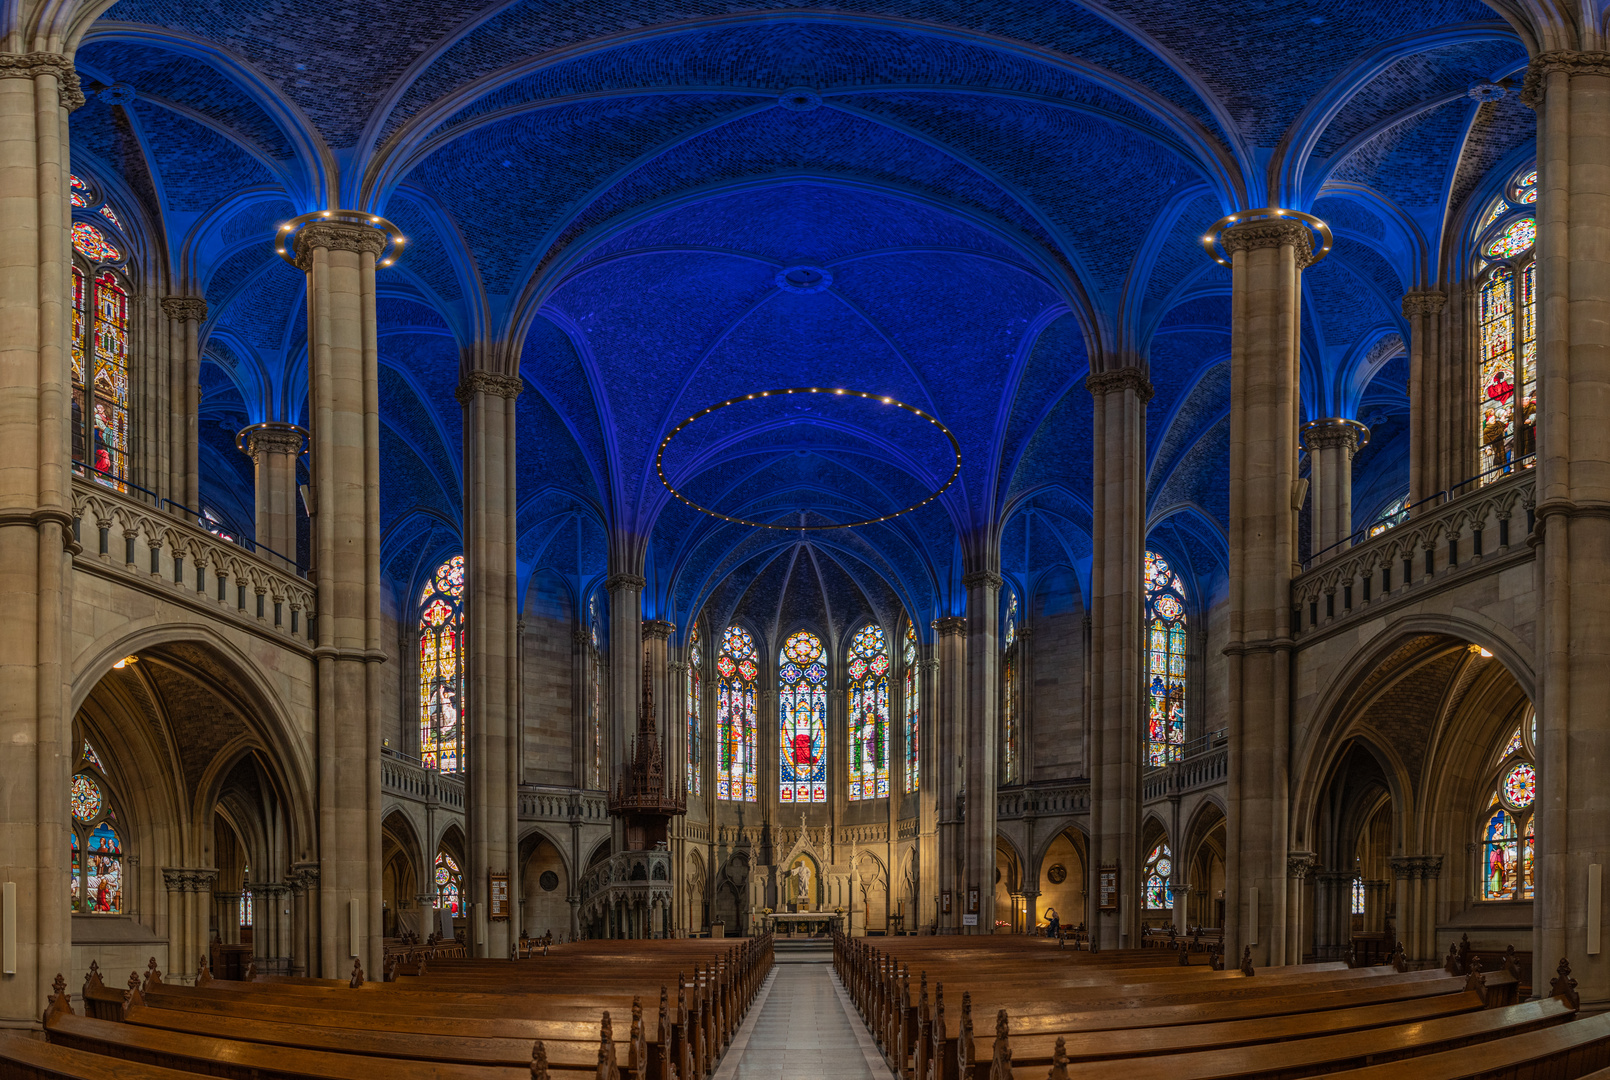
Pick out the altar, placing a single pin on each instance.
(805, 923)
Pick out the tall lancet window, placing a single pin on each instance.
(802, 720)
(869, 715)
(1507, 332)
(695, 685)
(100, 338)
(737, 681)
(96, 855)
(1165, 661)
(1507, 831)
(595, 697)
(441, 668)
(1010, 765)
(913, 707)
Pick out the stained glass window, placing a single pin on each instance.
(100, 345)
(1156, 887)
(1166, 658)
(1526, 187)
(91, 243)
(1508, 831)
(92, 757)
(868, 715)
(1495, 212)
(802, 720)
(246, 896)
(96, 869)
(79, 192)
(449, 882)
(441, 668)
(1357, 907)
(695, 673)
(913, 707)
(1508, 341)
(1009, 669)
(595, 703)
(1395, 514)
(736, 684)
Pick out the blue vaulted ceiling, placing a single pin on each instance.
(998, 198)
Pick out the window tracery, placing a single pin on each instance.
(737, 673)
(100, 340)
(1156, 888)
(246, 896)
(868, 715)
(96, 856)
(1507, 828)
(441, 668)
(913, 708)
(802, 719)
(1507, 332)
(695, 673)
(1395, 513)
(1166, 661)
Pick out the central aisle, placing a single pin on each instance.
(801, 1029)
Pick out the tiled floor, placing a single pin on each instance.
(802, 1032)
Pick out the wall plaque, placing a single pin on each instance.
(1107, 888)
(500, 896)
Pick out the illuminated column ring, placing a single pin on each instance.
(1319, 243)
(285, 238)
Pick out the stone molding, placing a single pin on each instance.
(184, 308)
(302, 878)
(658, 628)
(624, 581)
(1299, 864)
(1102, 383)
(1416, 867)
(330, 236)
(1569, 61)
(951, 624)
(1423, 302)
(188, 879)
(271, 439)
(480, 381)
(987, 578)
(1256, 235)
(581, 637)
(1333, 431)
(34, 64)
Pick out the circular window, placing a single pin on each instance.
(86, 798)
(549, 881)
(1057, 874)
(1520, 786)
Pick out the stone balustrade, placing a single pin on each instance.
(138, 545)
(543, 803)
(407, 778)
(1472, 535)
(1038, 800)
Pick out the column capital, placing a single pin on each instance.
(270, 438)
(1118, 380)
(985, 578)
(333, 236)
(1567, 60)
(1299, 864)
(1423, 302)
(34, 64)
(184, 308)
(951, 625)
(1332, 431)
(1265, 233)
(480, 381)
(624, 581)
(658, 628)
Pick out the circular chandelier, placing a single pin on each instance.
(1321, 231)
(884, 399)
(285, 239)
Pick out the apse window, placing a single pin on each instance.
(1507, 840)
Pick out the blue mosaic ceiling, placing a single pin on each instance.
(999, 197)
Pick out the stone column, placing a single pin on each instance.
(185, 316)
(980, 749)
(927, 885)
(1571, 93)
(228, 905)
(1024, 670)
(1267, 259)
(1299, 864)
(949, 708)
(491, 611)
(1333, 891)
(668, 708)
(37, 91)
(274, 448)
(1182, 907)
(625, 670)
(344, 406)
(1428, 397)
(1331, 443)
(1403, 871)
(1375, 900)
(1116, 674)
